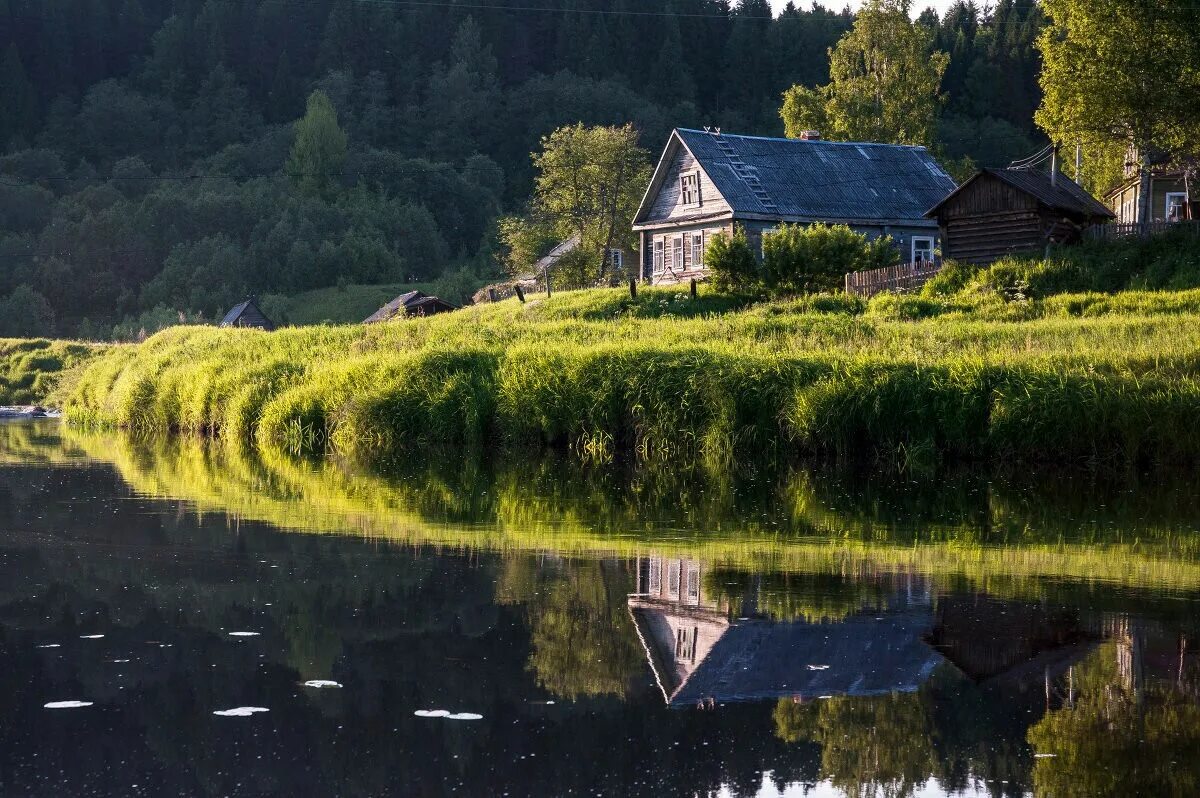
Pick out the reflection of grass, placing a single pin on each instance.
(468, 510)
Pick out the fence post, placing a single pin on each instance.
(632, 288)
(520, 292)
(695, 291)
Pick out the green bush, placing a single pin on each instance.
(731, 262)
(800, 259)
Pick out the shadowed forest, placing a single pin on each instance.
(145, 144)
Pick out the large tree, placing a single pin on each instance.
(589, 183)
(884, 82)
(320, 148)
(1125, 75)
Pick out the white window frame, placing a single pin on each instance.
(673, 579)
(689, 189)
(677, 252)
(697, 245)
(1183, 198)
(660, 255)
(932, 248)
(693, 583)
(654, 578)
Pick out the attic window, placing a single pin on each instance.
(689, 188)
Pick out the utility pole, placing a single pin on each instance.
(1078, 162)
(1054, 167)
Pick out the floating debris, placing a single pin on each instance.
(320, 684)
(68, 704)
(432, 713)
(90, 637)
(818, 667)
(464, 716)
(1044, 756)
(245, 634)
(240, 712)
(51, 645)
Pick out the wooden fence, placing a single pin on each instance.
(901, 279)
(1110, 232)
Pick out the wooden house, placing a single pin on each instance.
(707, 181)
(1170, 199)
(247, 314)
(616, 259)
(414, 303)
(1001, 212)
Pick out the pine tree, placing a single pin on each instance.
(319, 150)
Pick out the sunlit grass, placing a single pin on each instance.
(1077, 377)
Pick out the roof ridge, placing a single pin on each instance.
(802, 141)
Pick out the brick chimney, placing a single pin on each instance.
(810, 135)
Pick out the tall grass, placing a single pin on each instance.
(663, 374)
(31, 369)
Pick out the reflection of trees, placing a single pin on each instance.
(1120, 737)
(880, 745)
(582, 642)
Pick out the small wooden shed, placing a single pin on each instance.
(1001, 212)
(248, 314)
(414, 303)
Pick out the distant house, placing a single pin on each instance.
(1170, 200)
(1001, 212)
(706, 182)
(616, 258)
(247, 314)
(704, 649)
(414, 303)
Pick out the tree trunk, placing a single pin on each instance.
(1145, 192)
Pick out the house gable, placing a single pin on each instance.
(663, 201)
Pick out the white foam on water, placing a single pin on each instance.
(432, 713)
(240, 712)
(68, 704)
(118, 661)
(51, 645)
(321, 683)
(818, 667)
(464, 716)
(90, 637)
(245, 634)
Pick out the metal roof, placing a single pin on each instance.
(819, 180)
(1062, 194)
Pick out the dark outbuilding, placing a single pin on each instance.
(1001, 212)
(249, 315)
(414, 303)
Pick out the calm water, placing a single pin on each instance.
(538, 629)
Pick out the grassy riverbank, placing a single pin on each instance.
(1071, 377)
(30, 369)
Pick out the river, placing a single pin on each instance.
(182, 617)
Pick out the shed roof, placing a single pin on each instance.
(247, 314)
(413, 301)
(555, 255)
(812, 179)
(1062, 194)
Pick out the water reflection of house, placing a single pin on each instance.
(704, 647)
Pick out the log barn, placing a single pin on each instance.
(1002, 212)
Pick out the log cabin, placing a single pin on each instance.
(1003, 212)
(707, 181)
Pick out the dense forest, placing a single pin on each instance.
(145, 142)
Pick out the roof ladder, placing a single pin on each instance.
(746, 174)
